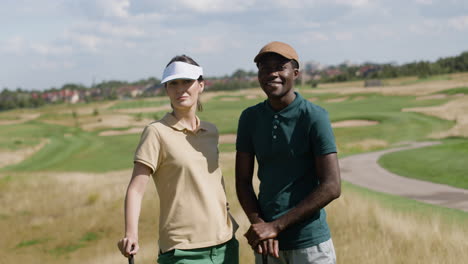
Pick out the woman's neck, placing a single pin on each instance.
(186, 117)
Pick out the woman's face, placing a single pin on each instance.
(183, 93)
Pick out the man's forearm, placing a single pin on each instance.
(315, 201)
(248, 201)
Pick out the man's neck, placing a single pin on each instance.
(280, 103)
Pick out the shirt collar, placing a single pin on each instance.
(290, 111)
(171, 121)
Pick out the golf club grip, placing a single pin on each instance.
(264, 259)
(130, 259)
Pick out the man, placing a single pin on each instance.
(294, 145)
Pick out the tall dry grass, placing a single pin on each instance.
(48, 218)
(365, 231)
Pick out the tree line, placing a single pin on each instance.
(421, 69)
(239, 79)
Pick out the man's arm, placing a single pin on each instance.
(329, 189)
(248, 200)
(244, 187)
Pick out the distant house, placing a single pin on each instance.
(69, 96)
(131, 91)
(373, 83)
(366, 70)
(332, 72)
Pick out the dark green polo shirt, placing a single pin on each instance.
(285, 144)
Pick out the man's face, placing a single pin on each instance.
(276, 75)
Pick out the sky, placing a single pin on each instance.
(49, 43)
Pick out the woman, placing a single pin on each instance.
(180, 153)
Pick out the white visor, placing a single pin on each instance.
(181, 70)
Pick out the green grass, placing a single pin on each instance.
(82, 152)
(227, 147)
(458, 90)
(445, 163)
(28, 134)
(72, 149)
(90, 236)
(154, 115)
(66, 249)
(394, 125)
(138, 104)
(31, 242)
(225, 114)
(87, 152)
(8, 117)
(84, 241)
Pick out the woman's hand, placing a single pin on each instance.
(128, 246)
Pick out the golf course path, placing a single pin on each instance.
(363, 170)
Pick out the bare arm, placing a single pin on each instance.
(135, 191)
(244, 187)
(249, 202)
(329, 189)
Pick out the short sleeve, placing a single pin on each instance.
(244, 135)
(322, 135)
(149, 148)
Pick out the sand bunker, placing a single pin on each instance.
(133, 130)
(354, 123)
(229, 99)
(337, 100)
(113, 121)
(13, 157)
(144, 110)
(22, 118)
(418, 89)
(227, 139)
(251, 96)
(455, 110)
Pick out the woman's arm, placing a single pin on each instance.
(135, 191)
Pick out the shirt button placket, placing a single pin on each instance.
(275, 127)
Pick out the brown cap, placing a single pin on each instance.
(280, 48)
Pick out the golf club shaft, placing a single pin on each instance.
(130, 259)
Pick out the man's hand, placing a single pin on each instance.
(261, 237)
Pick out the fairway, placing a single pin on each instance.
(61, 201)
(445, 163)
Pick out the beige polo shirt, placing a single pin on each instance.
(193, 211)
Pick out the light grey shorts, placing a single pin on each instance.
(323, 253)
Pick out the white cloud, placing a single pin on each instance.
(52, 65)
(427, 27)
(87, 41)
(120, 31)
(15, 45)
(50, 49)
(19, 46)
(207, 6)
(343, 35)
(312, 3)
(314, 37)
(424, 2)
(353, 3)
(213, 44)
(459, 23)
(381, 32)
(114, 8)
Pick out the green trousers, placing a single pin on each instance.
(227, 253)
